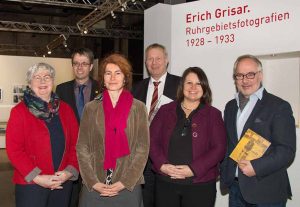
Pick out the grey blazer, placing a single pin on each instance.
(273, 119)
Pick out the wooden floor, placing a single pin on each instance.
(7, 193)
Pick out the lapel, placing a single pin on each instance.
(168, 86)
(143, 95)
(232, 124)
(94, 91)
(72, 96)
(100, 127)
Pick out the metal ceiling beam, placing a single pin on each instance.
(133, 8)
(85, 4)
(100, 13)
(10, 26)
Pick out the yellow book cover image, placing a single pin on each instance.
(250, 147)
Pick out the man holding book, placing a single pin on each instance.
(262, 182)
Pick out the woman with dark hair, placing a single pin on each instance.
(113, 143)
(41, 136)
(187, 139)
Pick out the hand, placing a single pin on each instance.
(246, 168)
(168, 169)
(183, 171)
(116, 188)
(48, 181)
(103, 189)
(62, 176)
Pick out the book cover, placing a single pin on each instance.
(251, 146)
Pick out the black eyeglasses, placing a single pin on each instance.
(184, 131)
(77, 65)
(240, 76)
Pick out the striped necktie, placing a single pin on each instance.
(154, 98)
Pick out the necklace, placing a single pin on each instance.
(186, 107)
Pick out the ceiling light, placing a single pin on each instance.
(65, 44)
(113, 14)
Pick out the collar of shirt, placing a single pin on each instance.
(151, 89)
(88, 84)
(162, 80)
(258, 94)
(86, 90)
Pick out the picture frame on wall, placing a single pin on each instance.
(18, 93)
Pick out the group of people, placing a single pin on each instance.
(159, 143)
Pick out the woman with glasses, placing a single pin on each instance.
(41, 136)
(113, 143)
(187, 139)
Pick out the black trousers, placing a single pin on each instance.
(76, 188)
(149, 187)
(36, 196)
(169, 194)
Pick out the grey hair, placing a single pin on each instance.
(39, 66)
(155, 46)
(243, 57)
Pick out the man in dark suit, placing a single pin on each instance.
(156, 60)
(82, 63)
(264, 181)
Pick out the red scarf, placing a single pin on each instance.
(116, 143)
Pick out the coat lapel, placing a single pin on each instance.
(143, 96)
(233, 130)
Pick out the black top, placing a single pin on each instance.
(180, 150)
(57, 139)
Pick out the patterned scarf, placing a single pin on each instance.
(39, 108)
(116, 143)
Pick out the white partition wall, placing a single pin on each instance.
(211, 34)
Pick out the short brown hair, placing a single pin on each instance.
(122, 62)
(85, 52)
(207, 95)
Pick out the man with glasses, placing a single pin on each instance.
(262, 182)
(77, 93)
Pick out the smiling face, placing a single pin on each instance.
(192, 89)
(81, 67)
(114, 78)
(42, 84)
(248, 86)
(156, 62)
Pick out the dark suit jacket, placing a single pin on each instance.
(272, 118)
(65, 91)
(139, 91)
(208, 141)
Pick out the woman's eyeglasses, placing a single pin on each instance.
(187, 123)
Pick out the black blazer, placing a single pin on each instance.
(139, 91)
(65, 91)
(273, 119)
